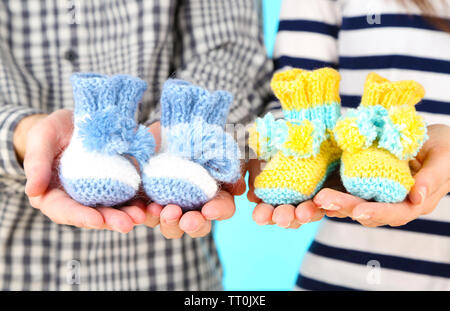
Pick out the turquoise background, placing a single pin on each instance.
(255, 257)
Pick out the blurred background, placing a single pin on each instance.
(255, 257)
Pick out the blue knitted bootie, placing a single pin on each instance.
(94, 169)
(196, 152)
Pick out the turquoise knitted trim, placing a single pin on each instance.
(376, 188)
(374, 123)
(272, 134)
(327, 113)
(279, 196)
(391, 140)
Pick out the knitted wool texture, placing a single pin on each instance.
(196, 152)
(299, 149)
(379, 138)
(94, 169)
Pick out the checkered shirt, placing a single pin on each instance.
(216, 44)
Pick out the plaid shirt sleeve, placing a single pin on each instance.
(220, 46)
(10, 115)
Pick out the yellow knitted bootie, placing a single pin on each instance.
(379, 138)
(299, 148)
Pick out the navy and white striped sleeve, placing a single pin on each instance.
(307, 34)
(221, 47)
(306, 38)
(10, 115)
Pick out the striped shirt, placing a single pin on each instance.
(358, 37)
(215, 44)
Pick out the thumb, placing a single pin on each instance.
(155, 130)
(434, 173)
(45, 140)
(39, 155)
(254, 168)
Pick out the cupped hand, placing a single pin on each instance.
(45, 140)
(431, 170)
(285, 216)
(173, 223)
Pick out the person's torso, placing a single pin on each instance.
(43, 42)
(381, 36)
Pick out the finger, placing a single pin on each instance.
(335, 214)
(262, 214)
(254, 168)
(44, 142)
(295, 224)
(307, 212)
(333, 200)
(194, 224)
(40, 153)
(153, 213)
(393, 214)
(203, 231)
(238, 188)
(116, 220)
(155, 130)
(220, 208)
(283, 215)
(432, 175)
(61, 209)
(169, 221)
(414, 166)
(371, 224)
(136, 211)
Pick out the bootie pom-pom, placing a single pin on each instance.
(267, 135)
(359, 128)
(304, 138)
(94, 168)
(196, 153)
(403, 133)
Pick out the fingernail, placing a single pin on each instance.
(287, 226)
(117, 229)
(423, 194)
(304, 223)
(300, 214)
(211, 217)
(171, 221)
(91, 226)
(362, 217)
(332, 207)
(192, 229)
(262, 223)
(88, 224)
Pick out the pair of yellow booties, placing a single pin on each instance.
(373, 143)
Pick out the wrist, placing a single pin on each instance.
(21, 132)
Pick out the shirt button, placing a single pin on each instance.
(70, 55)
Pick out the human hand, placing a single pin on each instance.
(431, 170)
(173, 223)
(46, 138)
(285, 216)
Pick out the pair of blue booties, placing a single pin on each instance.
(196, 154)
